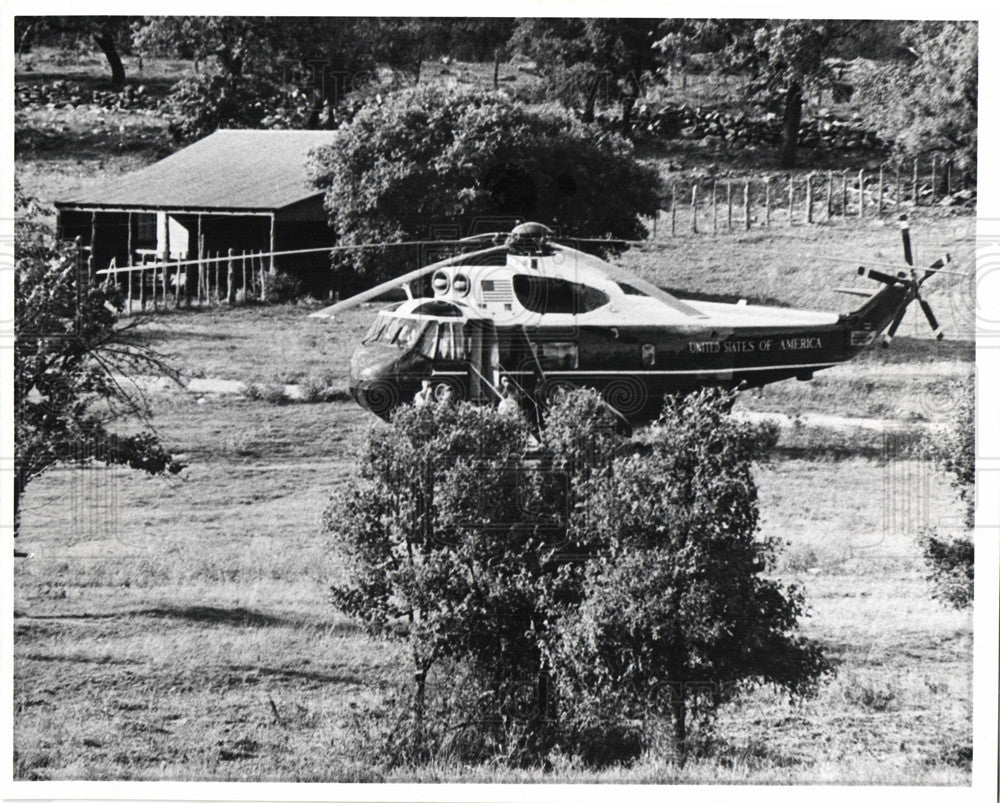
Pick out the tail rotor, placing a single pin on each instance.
(911, 282)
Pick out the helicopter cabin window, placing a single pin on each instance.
(547, 295)
(449, 342)
(557, 356)
(648, 355)
(428, 340)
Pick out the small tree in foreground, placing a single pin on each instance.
(675, 615)
(72, 367)
(617, 581)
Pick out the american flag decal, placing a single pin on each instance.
(496, 292)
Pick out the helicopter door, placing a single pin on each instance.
(484, 359)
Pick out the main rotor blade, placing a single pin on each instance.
(878, 276)
(930, 318)
(852, 291)
(896, 321)
(935, 266)
(392, 284)
(904, 228)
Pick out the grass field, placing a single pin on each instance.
(180, 628)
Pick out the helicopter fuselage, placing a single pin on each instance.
(550, 327)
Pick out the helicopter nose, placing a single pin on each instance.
(372, 378)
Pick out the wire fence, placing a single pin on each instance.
(712, 206)
(209, 280)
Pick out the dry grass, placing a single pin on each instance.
(181, 630)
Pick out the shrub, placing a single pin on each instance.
(577, 597)
(674, 614)
(281, 287)
(462, 160)
(951, 561)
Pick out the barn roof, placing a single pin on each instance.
(230, 169)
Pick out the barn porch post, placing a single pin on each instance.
(270, 268)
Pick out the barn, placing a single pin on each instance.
(236, 189)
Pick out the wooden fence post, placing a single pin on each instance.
(829, 194)
(694, 208)
(163, 277)
(746, 204)
(715, 204)
(263, 279)
(243, 266)
(881, 189)
(791, 198)
(230, 284)
(130, 278)
(933, 177)
(916, 199)
(673, 209)
(947, 177)
(809, 198)
(177, 286)
(861, 193)
(767, 201)
(142, 290)
(215, 276)
(843, 194)
(729, 205)
(899, 182)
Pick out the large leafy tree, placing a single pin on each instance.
(262, 63)
(782, 58)
(583, 58)
(929, 101)
(112, 35)
(450, 157)
(73, 365)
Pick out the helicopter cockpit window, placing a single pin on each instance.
(544, 294)
(402, 332)
(377, 329)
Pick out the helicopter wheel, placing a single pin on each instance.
(440, 388)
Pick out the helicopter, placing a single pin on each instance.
(531, 315)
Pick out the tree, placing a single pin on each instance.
(951, 561)
(676, 614)
(112, 35)
(263, 63)
(453, 157)
(929, 102)
(430, 539)
(582, 57)
(781, 58)
(614, 578)
(72, 363)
